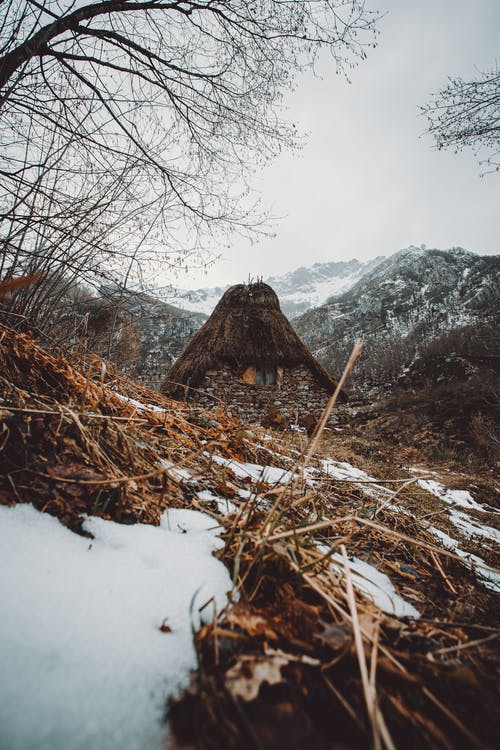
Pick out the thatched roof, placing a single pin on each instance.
(246, 327)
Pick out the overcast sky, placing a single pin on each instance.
(368, 182)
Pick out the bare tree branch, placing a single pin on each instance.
(466, 114)
(129, 124)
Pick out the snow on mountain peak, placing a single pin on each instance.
(298, 290)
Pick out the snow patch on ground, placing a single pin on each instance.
(246, 494)
(345, 471)
(463, 498)
(224, 505)
(138, 405)
(256, 472)
(470, 527)
(378, 587)
(373, 584)
(83, 663)
(275, 454)
(465, 523)
(177, 473)
(489, 577)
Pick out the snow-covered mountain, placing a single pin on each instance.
(403, 305)
(297, 290)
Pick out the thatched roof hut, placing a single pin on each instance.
(246, 327)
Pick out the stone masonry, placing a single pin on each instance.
(297, 394)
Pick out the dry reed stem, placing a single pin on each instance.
(370, 480)
(86, 414)
(331, 602)
(97, 482)
(297, 473)
(382, 529)
(405, 484)
(417, 542)
(324, 557)
(369, 692)
(358, 346)
(215, 634)
(304, 529)
(373, 656)
(443, 574)
(454, 719)
(463, 646)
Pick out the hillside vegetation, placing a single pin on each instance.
(363, 600)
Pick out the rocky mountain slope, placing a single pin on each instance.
(413, 298)
(162, 330)
(298, 290)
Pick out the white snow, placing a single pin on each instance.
(223, 504)
(345, 471)
(488, 576)
(373, 584)
(316, 291)
(471, 527)
(467, 525)
(176, 472)
(138, 404)
(452, 497)
(378, 587)
(83, 663)
(246, 494)
(275, 454)
(463, 521)
(256, 472)
(418, 470)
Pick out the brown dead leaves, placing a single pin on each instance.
(243, 619)
(73, 445)
(245, 678)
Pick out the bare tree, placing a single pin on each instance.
(134, 125)
(59, 224)
(467, 114)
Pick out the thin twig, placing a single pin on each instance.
(368, 693)
(454, 719)
(417, 542)
(373, 657)
(305, 529)
(118, 480)
(443, 574)
(313, 443)
(89, 415)
(463, 646)
(298, 474)
(394, 494)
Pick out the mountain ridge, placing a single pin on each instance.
(399, 305)
(298, 290)
(410, 299)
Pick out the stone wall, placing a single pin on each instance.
(297, 394)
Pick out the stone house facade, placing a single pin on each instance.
(248, 358)
(296, 394)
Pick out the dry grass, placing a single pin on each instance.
(411, 693)
(298, 657)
